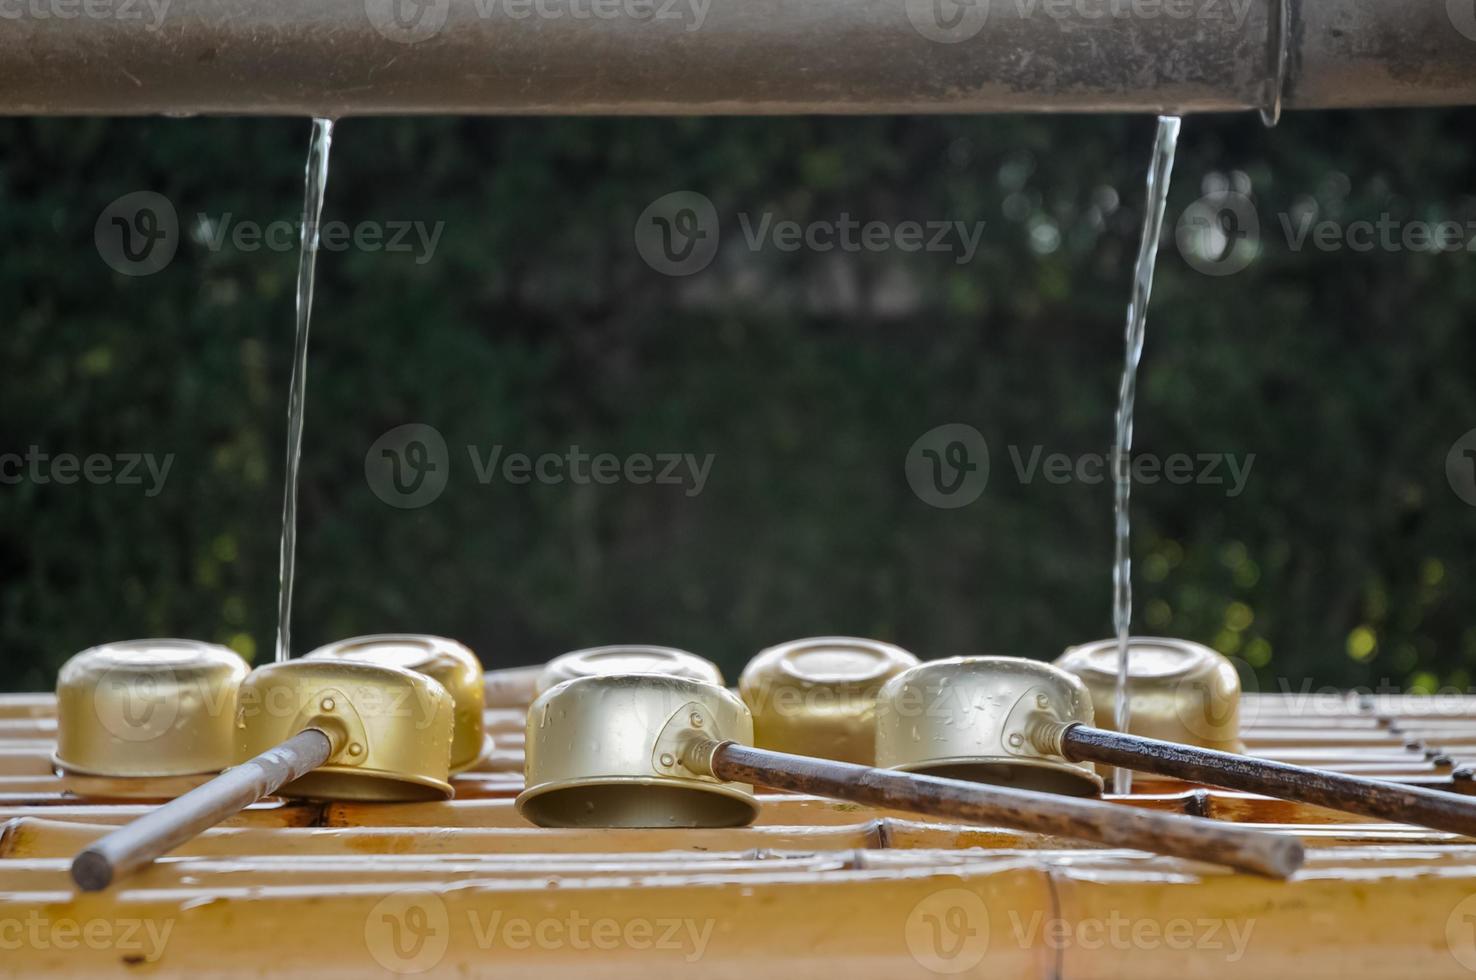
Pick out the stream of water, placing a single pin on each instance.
(1164, 145)
(307, 263)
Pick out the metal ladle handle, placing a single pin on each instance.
(1335, 791)
(1259, 852)
(159, 831)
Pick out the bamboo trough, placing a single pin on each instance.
(814, 886)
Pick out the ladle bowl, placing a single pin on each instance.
(970, 718)
(391, 728)
(817, 696)
(137, 716)
(450, 663)
(1178, 691)
(626, 658)
(595, 754)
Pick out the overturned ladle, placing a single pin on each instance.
(1011, 720)
(643, 750)
(145, 719)
(626, 658)
(317, 730)
(817, 696)
(452, 664)
(1177, 691)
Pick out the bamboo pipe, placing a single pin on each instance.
(134, 845)
(732, 57)
(1270, 855)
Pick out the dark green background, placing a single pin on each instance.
(536, 325)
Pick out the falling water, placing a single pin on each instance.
(307, 261)
(1164, 144)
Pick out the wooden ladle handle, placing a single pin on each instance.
(1259, 852)
(1336, 791)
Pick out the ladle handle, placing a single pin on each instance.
(161, 830)
(1273, 855)
(1351, 794)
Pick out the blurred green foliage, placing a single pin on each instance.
(535, 325)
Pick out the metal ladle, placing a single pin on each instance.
(644, 750)
(452, 664)
(1007, 719)
(318, 730)
(145, 718)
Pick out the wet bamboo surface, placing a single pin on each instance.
(814, 888)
